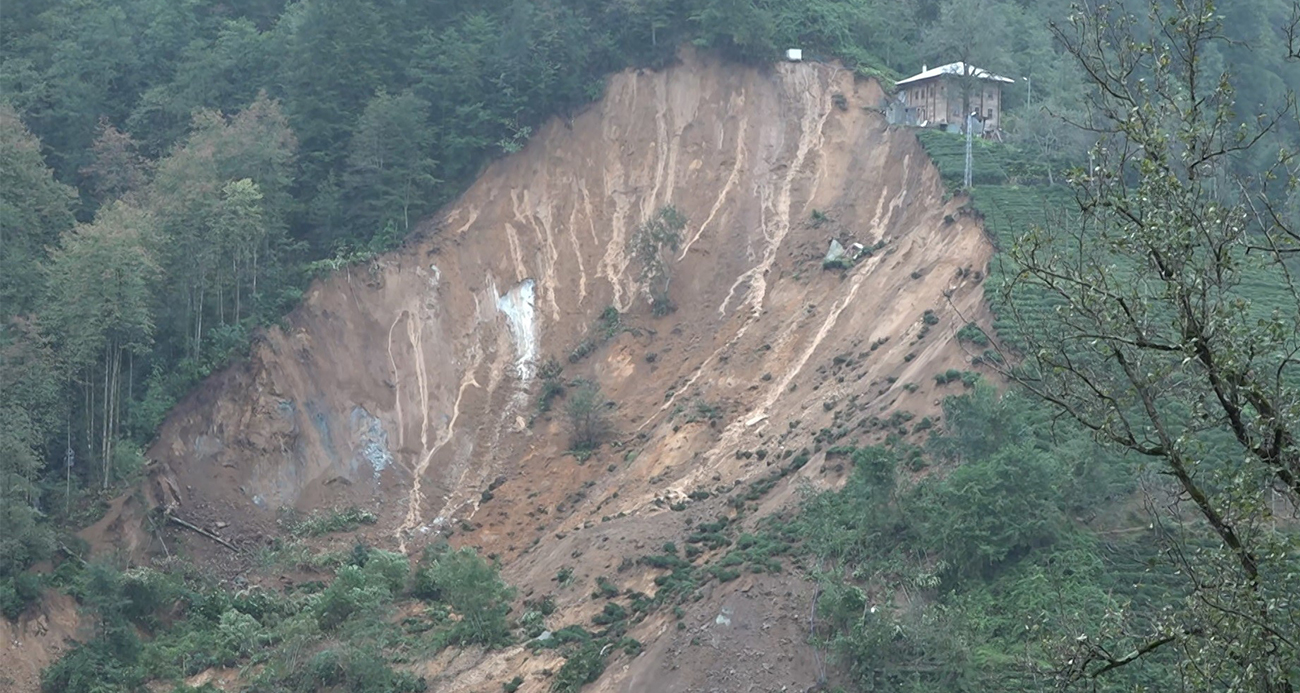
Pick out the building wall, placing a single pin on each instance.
(938, 102)
(930, 98)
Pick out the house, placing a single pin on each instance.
(935, 97)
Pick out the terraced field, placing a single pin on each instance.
(1012, 195)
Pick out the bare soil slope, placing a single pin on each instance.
(38, 638)
(408, 385)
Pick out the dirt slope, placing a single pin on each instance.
(408, 385)
(34, 641)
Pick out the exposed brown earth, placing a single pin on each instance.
(29, 645)
(408, 385)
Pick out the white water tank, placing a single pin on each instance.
(794, 55)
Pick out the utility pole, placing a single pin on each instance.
(1029, 99)
(68, 460)
(970, 140)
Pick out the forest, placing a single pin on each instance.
(174, 173)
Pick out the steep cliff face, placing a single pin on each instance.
(408, 384)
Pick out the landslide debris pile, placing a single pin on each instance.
(429, 386)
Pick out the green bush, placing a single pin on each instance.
(612, 613)
(153, 627)
(351, 670)
(582, 667)
(353, 592)
(344, 520)
(605, 589)
(532, 623)
(18, 593)
(90, 668)
(474, 590)
(970, 332)
(147, 594)
(239, 635)
(549, 374)
(996, 509)
(651, 247)
(391, 569)
(551, 388)
(951, 375)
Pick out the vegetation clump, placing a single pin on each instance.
(651, 246)
(585, 411)
(998, 522)
(162, 627)
(971, 332)
(551, 386)
(333, 521)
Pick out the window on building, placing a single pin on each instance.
(990, 113)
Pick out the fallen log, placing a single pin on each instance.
(204, 532)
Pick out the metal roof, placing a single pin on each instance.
(957, 68)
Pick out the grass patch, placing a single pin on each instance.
(332, 522)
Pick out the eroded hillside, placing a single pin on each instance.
(408, 385)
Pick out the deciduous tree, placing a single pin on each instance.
(652, 247)
(220, 200)
(390, 172)
(34, 210)
(116, 167)
(240, 229)
(1160, 345)
(975, 33)
(585, 407)
(99, 306)
(28, 400)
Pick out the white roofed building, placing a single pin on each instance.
(942, 96)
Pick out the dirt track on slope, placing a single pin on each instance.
(407, 385)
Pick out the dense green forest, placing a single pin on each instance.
(173, 173)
